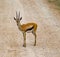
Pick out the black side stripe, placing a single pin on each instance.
(30, 28)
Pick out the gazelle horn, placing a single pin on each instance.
(19, 14)
(16, 15)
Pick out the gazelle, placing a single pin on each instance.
(32, 27)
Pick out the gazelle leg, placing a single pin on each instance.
(24, 35)
(34, 33)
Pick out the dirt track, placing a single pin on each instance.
(48, 32)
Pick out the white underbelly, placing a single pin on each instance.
(29, 31)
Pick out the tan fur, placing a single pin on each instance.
(28, 25)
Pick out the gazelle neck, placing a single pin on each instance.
(19, 25)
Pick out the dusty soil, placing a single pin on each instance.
(48, 32)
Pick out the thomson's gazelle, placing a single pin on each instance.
(32, 27)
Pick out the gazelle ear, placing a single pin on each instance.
(21, 18)
(14, 18)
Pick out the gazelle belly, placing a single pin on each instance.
(29, 31)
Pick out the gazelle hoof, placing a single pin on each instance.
(24, 45)
(34, 44)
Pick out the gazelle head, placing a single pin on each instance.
(17, 18)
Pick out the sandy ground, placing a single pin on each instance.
(48, 32)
